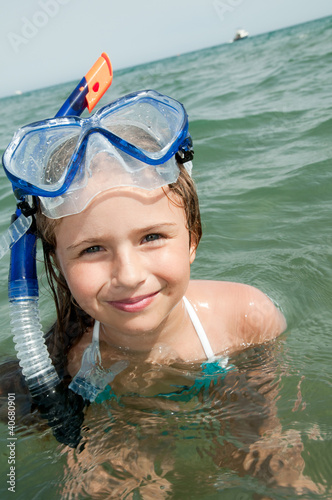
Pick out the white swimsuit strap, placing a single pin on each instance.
(95, 338)
(95, 333)
(199, 329)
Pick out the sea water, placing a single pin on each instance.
(260, 118)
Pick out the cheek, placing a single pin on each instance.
(83, 281)
(173, 265)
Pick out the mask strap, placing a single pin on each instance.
(15, 231)
(186, 151)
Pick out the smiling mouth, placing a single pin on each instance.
(134, 304)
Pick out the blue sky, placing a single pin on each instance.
(45, 42)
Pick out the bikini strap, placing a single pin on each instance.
(95, 339)
(95, 333)
(199, 329)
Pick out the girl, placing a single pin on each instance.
(118, 245)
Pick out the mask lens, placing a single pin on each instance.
(42, 156)
(151, 127)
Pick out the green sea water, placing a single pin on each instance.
(260, 117)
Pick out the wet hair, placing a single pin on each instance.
(186, 197)
(72, 322)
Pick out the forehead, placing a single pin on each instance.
(123, 210)
(122, 199)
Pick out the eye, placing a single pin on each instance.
(152, 237)
(94, 249)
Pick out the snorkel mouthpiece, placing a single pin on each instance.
(90, 90)
(59, 405)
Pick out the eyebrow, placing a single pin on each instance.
(97, 238)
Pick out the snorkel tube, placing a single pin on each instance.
(62, 407)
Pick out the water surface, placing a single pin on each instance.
(260, 117)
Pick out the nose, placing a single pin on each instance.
(128, 270)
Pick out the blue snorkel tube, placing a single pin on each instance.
(61, 406)
(37, 367)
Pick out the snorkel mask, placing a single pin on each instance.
(63, 163)
(136, 141)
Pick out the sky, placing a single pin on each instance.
(46, 42)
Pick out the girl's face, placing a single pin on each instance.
(126, 260)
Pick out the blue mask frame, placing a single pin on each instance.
(180, 145)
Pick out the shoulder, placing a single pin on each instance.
(235, 314)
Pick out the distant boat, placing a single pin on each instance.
(240, 35)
